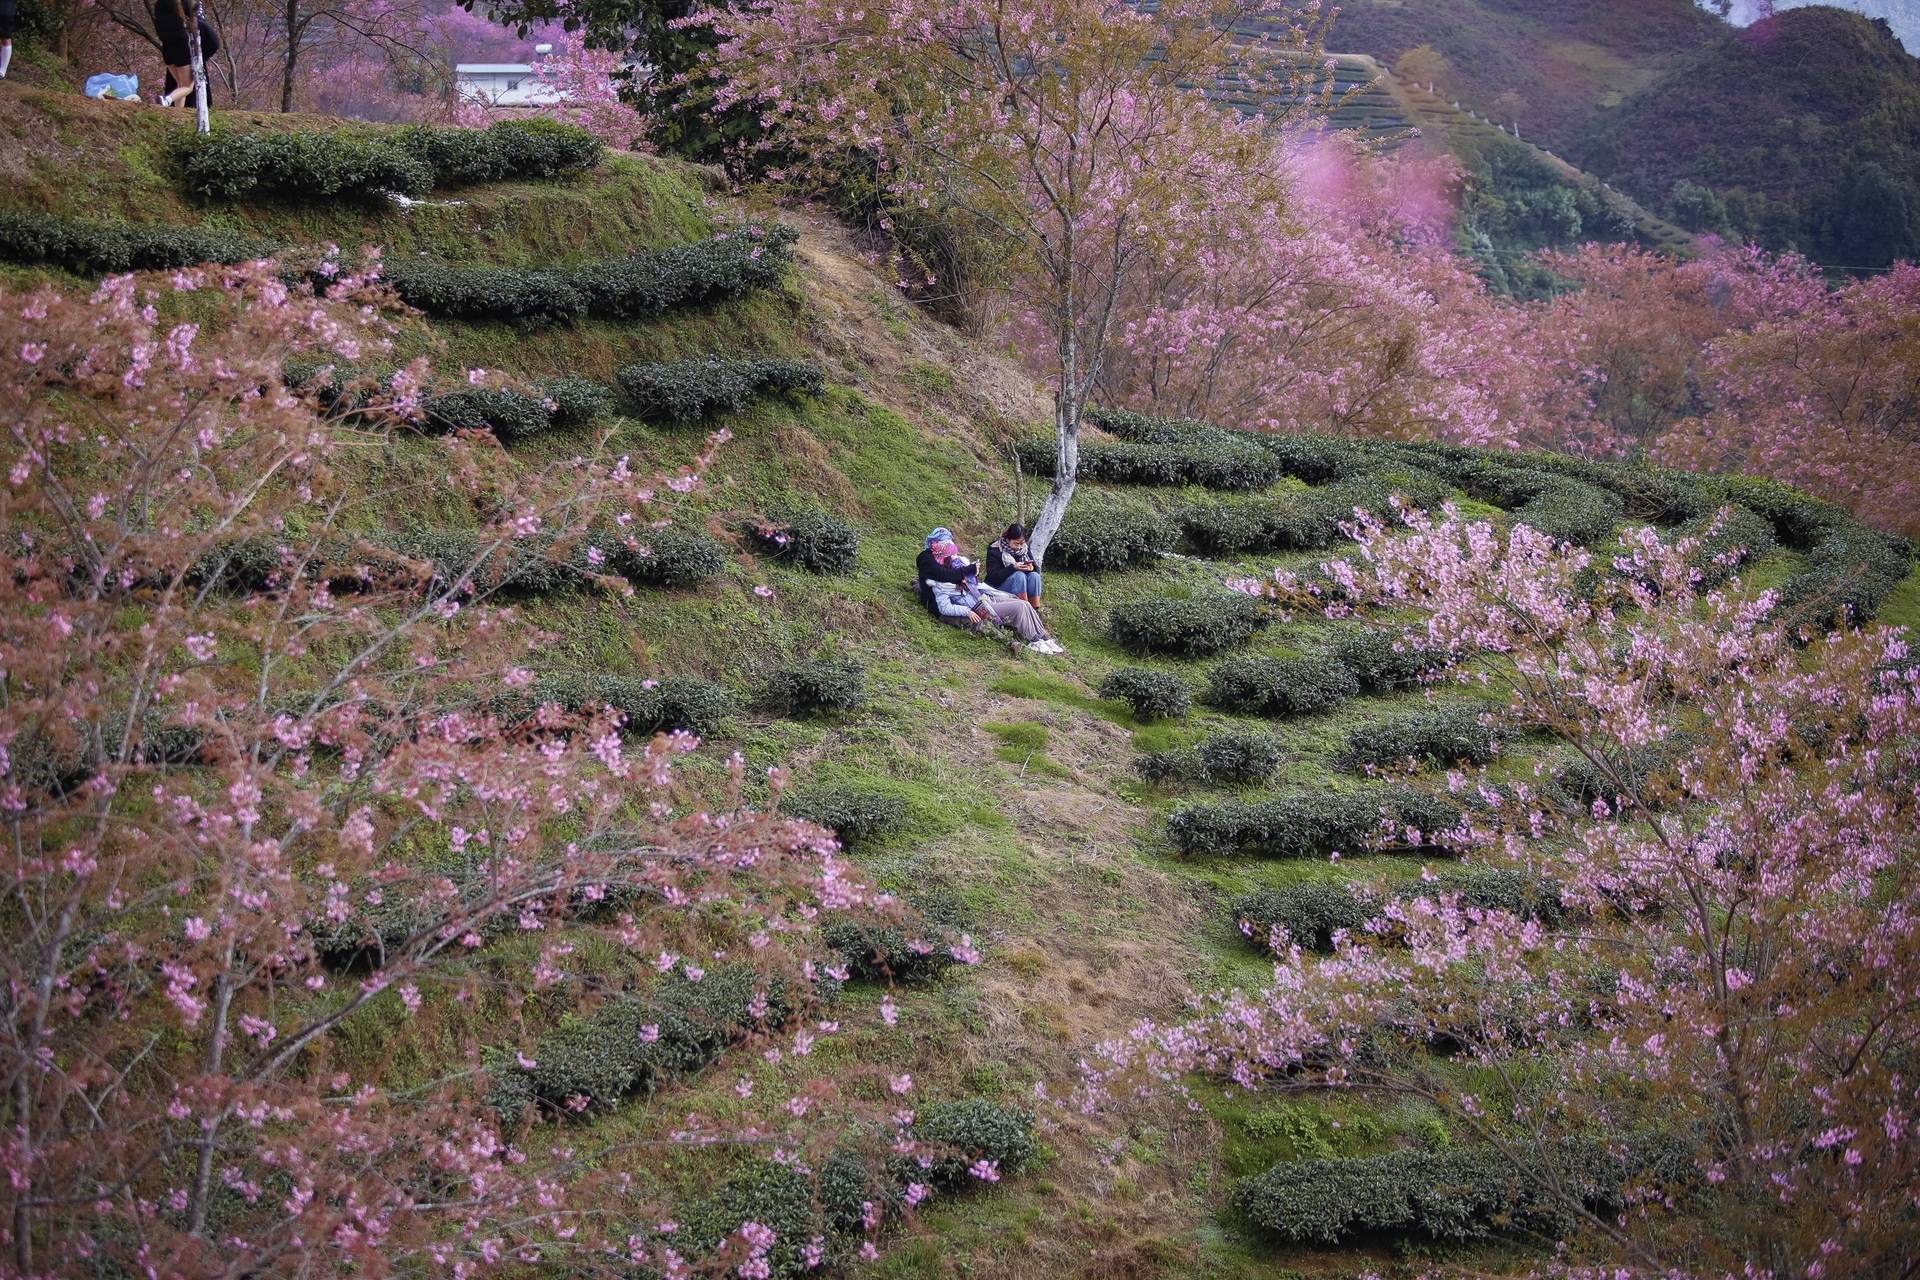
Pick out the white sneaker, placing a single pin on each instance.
(1039, 646)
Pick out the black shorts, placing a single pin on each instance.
(7, 11)
(173, 42)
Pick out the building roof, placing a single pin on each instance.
(492, 68)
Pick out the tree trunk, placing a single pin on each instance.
(293, 56)
(1066, 473)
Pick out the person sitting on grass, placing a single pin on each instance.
(959, 600)
(1009, 568)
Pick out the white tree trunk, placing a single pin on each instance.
(1066, 473)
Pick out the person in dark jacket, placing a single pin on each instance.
(929, 568)
(1008, 566)
(170, 25)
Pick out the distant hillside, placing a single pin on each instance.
(1803, 129)
(1566, 60)
(1902, 15)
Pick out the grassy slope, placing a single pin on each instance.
(1015, 775)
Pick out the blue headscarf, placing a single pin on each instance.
(942, 534)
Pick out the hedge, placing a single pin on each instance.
(1279, 686)
(1311, 913)
(1851, 568)
(669, 557)
(1153, 695)
(824, 684)
(1439, 736)
(807, 537)
(650, 705)
(634, 287)
(1190, 626)
(633, 1042)
(883, 952)
(356, 164)
(1309, 824)
(829, 1206)
(485, 293)
(1470, 1193)
(1216, 460)
(851, 813)
(692, 390)
(730, 265)
(1229, 756)
(798, 1206)
(1520, 893)
(510, 415)
(1383, 661)
(1095, 539)
(976, 1130)
(87, 247)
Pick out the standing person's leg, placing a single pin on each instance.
(7, 10)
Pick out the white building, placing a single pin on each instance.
(505, 84)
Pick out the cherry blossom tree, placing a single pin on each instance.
(1820, 389)
(231, 725)
(1079, 139)
(1337, 312)
(1737, 965)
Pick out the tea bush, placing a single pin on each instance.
(1382, 660)
(798, 1207)
(976, 1130)
(1189, 626)
(824, 684)
(1279, 686)
(1453, 1196)
(1229, 757)
(506, 151)
(807, 537)
(1310, 913)
(920, 950)
(730, 265)
(1309, 824)
(357, 164)
(1234, 756)
(629, 1043)
(485, 293)
(691, 390)
(1521, 893)
(851, 813)
(1213, 460)
(1439, 736)
(1727, 544)
(97, 248)
(637, 286)
(650, 705)
(669, 557)
(1153, 695)
(1095, 539)
(576, 401)
(510, 415)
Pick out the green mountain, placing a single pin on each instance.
(1566, 62)
(1799, 132)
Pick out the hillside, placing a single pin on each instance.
(1804, 127)
(1016, 791)
(1567, 60)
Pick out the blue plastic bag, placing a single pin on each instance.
(109, 85)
